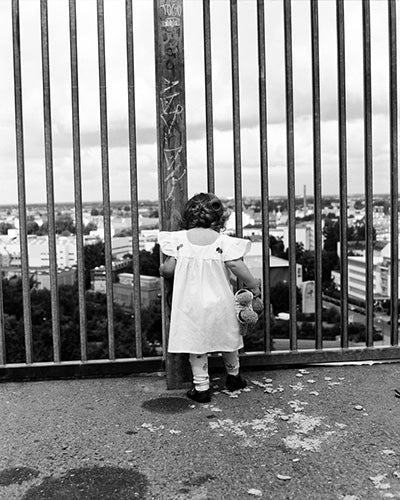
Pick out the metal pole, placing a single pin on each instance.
(291, 171)
(48, 141)
(133, 179)
(171, 138)
(19, 135)
(76, 146)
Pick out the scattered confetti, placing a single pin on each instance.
(151, 428)
(377, 480)
(297, 405)
(298, 387)
(256, 382)
(256, 493)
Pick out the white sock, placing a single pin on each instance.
(199, 364)
(231, 362)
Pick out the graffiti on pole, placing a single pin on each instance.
(172, 135)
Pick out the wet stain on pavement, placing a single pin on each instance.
(91, 483)
(166, 405)
(17, 475)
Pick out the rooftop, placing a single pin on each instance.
(321, 432)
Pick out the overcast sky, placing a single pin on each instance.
(195, 108)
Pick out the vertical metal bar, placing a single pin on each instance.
(317, 172)
(105, 178)
(208, 90)
(344, 281)
(19, 131)
(394, 176)
(236, 119)
(133, 177)
(262, 86)
(76, 140)
(48, 145)
(368, 173)
(2, 322)
(171, 141)
(291, 172)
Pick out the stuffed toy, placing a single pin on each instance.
(247, 307)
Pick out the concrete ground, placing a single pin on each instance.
(320, 432)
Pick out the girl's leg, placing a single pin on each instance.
(231, 362)
(199, 364)
(234, 380)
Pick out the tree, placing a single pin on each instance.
(277, 247)
(280, 297)
(94, 256)
(307, 260)
(91, 226)
(64, 223)
(149, 262)
(5, 226)
(32, 227)
(331, 235)
(299, 252)
(330, 261)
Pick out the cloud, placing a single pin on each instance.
(117, 97)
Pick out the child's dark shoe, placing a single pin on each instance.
(199, 396)
(235, 382)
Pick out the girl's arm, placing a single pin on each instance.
(168, 267)
(241, 271)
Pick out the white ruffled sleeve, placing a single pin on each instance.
(168, 244)
(235, 248)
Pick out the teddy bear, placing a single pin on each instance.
(247, 308)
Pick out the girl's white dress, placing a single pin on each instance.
(203, 317)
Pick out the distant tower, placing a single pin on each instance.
(305, 200)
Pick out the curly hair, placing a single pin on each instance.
(204, 210)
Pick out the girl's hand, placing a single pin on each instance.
(255, 291)
(168, 267)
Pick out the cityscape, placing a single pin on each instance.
(123, 277)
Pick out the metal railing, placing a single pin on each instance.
(171, 24)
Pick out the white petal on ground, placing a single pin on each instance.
(256, 493)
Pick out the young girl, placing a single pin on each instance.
(203, 317)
